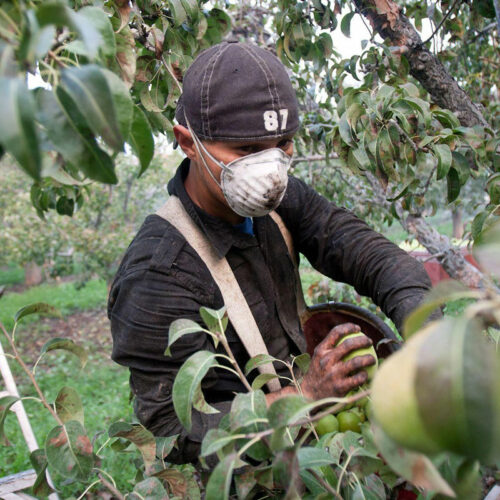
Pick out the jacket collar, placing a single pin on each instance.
(220, 233)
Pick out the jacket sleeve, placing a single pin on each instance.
(142, 305)
(343, 247)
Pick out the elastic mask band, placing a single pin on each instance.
(199, 145)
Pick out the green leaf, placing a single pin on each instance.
(262, 379)
(220, 480)
(444, 157)
(41, 487)
(488, 249)
(461, 165)
(81, 148)
(67, 345)
(345, 24)
(313, 457)
(303, 361)
(58, 14)
(443, 292)
(446, 118)
(178, 329)
(37, 308)
(150, 488)
(211, 318)
(178, 12)
(69, 406)
(69, 451)
(141, 139)
(88, 88)
(493, 188)
(200, 404)
(256, 361)
(414, 467)
(177, 481)
(18, 134)
(345, 130)
(140, 436)
(122, 102)
(100, 21)
(65, 206)
(287, 410)
(164, 445)
(453, 185)
(36, 40)
(246, 409)
(216, 439)
(5, 403)
(186, 382)
(191, 8)
(125, 52)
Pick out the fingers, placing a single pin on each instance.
(335, 335)
(358, 363)
(350, 383)
(353, 344)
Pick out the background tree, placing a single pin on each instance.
(394, 114)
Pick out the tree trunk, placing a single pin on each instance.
(458, 223)
(32, 274)
(449, 256)
(387, 20)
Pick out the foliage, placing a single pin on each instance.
(110, 74)
(91, 242)
(272, 450)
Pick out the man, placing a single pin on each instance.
(237, 117)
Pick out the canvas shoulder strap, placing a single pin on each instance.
(301, 305)
(238, 311)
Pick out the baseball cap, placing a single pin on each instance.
(238, 91)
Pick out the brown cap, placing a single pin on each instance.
(237, 91)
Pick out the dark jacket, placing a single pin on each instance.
(161, 279)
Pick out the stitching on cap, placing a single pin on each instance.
(257, 60)
(264, 62)
(223, 49)
(205, 74)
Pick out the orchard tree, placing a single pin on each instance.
(408, 129)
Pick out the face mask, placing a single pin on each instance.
(253, 185)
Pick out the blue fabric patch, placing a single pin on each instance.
(246, 226)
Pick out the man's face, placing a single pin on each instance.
(225, 152)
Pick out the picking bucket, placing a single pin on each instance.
(319, 319)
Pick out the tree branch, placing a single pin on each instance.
(386, 18)
(442, 22)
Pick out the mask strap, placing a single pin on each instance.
(200, 146)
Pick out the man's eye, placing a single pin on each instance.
(285, 144)
(247, 149)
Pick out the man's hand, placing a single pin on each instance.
(328, 375)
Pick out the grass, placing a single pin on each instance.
(102, 385)
(66, 297)
(11, 275)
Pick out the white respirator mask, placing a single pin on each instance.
(253, 185)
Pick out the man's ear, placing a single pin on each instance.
(185, 141)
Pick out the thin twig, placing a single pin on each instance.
(325, 484)
(442, 21)
(403, 133)
(110, 487)
(427, 184)
(31, 377)
(172, 74)
(311, 158)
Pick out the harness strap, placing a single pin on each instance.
(238, 311)
(301, 305)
